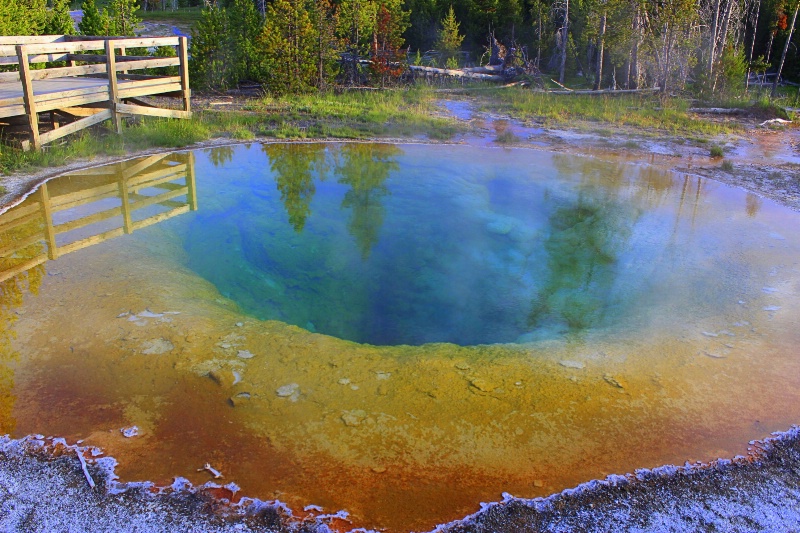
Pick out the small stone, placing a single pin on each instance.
(344, 381)
(239, 324)
(611, 380)
(710, 334)
(772, 308)
(379, 469)
(354, 387)
(572, 364)
(223, 378)
(245, 354)
(538, 483)
(287, 391)
(157, 347)
(769, 290)
(482, 385)
(383, 375)
(462, 365)
(237, 400)
(713, 355)
(354, 417)
(129, 432)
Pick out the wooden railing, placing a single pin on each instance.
(29, 236)
(112, 64)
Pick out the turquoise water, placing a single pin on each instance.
(386, 244)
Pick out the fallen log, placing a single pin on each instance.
(592, 92)
(456, 73)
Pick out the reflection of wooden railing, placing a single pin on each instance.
(158, 187)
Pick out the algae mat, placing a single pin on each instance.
(398, 332)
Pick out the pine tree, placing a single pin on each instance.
(287, 44)
(211, 65)
(22, 17)
(450, 39)
(59, 21)
(94, 21)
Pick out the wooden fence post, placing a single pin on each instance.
(183, 53)
(27, 97)
(113, 91)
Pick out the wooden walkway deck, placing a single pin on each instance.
(93, 87)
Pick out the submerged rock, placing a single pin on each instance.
(157, 347)
(291, 391)
(354, 417)
(572, 364)
(239, 399)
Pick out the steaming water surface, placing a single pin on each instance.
(401, 332)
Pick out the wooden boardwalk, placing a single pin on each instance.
(91, 88)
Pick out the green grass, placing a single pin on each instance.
(727, 166)
(644, 112)
(715, 151)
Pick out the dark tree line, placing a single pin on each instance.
(304, 45)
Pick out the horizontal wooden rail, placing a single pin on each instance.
(31, 91)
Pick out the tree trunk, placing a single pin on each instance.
(633, 81)
(752, 43)
(785, 49)
(723, 37)
(564, 37)
(712, 40)
(600, 44)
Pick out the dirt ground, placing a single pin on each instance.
(44, 486)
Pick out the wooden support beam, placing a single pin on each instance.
(183, 54)
(72, 127)
(152, 111)
(27, 96)
(113, 93)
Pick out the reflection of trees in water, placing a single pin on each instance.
(12, 292)
(295, 166)
(365, 168)
(752, 204)
(220, 155)
(587, 235)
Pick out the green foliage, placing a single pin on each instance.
(731, 71)
(211, 65)
(22, 17)
(450, 39)
(94, 21)
(59, 21)
(287, 44)
(727, 166)
(715, 151)
(451, 62)
(123, 17)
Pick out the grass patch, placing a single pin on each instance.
(715, 151)
(183, 14)
(506, 137)
(726, 165)
(645, 112)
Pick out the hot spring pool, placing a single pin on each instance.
(397, 331)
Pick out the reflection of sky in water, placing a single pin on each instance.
(388, 245)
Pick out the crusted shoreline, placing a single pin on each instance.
(44, 486)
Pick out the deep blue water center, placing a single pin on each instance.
(387, 244)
